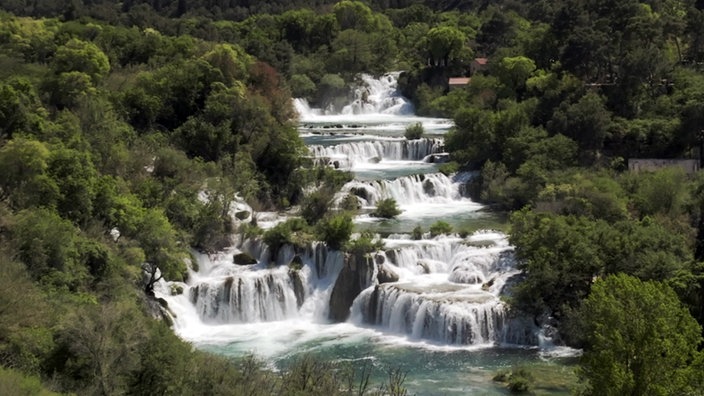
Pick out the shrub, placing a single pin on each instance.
(440, 227)
(449, 168)
(417, 233)
(414, 131)
(518, 379)
(386, 208)
(350, 203)
(335, 230)
(175, 289)
(276, 237)
(315, 205)
(366, 243)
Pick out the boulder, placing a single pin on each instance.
(386, 275)
(242, 215)
(244, 259)
(429, 188)
(374, 160)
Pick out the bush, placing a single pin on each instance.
(414, 131)
(386, 208)
(518, 379)
(16, 383)
(315, 205)
(440, 227)
(350, 203)
(366, 243)
(449, 168)
(335, 230)
(276, 237)
(417, 233)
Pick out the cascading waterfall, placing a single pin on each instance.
(443, 289)
(251, 296)
(378, 96)
(448, 292)
(416, 189)
(224, 292)
(448, 314)
(349, 154)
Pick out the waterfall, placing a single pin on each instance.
(444, 289)
(446, 313)
(252, 296)
(379, 96)
(448, 292)
(349, 154)
(223, 292)
(416, 189)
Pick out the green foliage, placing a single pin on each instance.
(48, 246)
(417, 233)
(623, 322)
(335, 230)
(518, 379)
(81, 56)
(440, 228)
(24, 181)
(472, 139)
(24, 339)
(414, 131)
(353, 15)
(13, 382)
(366, 243)
(561, 255)
(315, 205)
(445, 43)
(350, 203)
(386, 208)
(449, 168)
(515, 71)
(106, 126)
(302, 86)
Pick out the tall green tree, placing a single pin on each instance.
(640, 339)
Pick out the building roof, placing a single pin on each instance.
(459, 80)
(482, 61)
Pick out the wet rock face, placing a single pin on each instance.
(386, 275)
(244, 259)
(355, 276)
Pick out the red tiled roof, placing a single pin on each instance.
(482, 61)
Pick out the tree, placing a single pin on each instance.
(514, 71)
(81, 56)
(352, 51)
(472, 140)
(414, 131)
(386, 208)
(24, 180)
(587, 121)
(102, 344)
(336, 230)
(640, 339)
(445, 43)
(354, 15)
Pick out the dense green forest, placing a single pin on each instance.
(127, 129)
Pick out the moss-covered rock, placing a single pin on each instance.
(244, 259)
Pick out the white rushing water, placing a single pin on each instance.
(441, 294)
